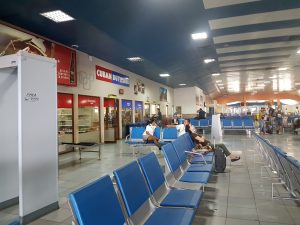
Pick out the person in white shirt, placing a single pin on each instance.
(297, 112)
(180, 129)
(148, 135)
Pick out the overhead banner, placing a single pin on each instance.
(13, 40)
(110, 76)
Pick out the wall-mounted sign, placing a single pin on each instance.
(139, 87)
(121, 91)
(66, 65)
(139, 105)
(126, 104)
(64, 100)
(163, 94)
(14, 40)
(84, 101)
(110, 76)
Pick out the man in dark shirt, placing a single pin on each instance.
(201, 114)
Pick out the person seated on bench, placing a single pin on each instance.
(203, 143)
(148, 135)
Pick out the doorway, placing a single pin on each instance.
(111, 120)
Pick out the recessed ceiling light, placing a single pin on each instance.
(282, 68)
(181, 84)
(208, 60)
(215, 74)
(135, 59)
(197, 36)
(57, 16)
(164, 75)
(298, 52)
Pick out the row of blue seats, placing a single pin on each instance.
(237, 123)
(227, 123)
(286, 167)
(163, 134)
(142, 194)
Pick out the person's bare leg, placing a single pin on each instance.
(155, 140)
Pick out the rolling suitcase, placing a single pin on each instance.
(220, 160)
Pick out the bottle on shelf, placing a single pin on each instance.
(72, 68)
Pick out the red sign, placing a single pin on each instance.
(90, 101)
(64, 101)
(109, 102)
(103, 74)
(66, 65)
(16, 40)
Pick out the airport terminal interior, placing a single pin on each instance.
(157, 112)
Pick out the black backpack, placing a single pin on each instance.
(220, 160)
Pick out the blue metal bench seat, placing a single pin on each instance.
(97, 203)
(161, 191)
(174, 166)
(139, 207)
(180, 146)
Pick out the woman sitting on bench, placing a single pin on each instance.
(148, 135)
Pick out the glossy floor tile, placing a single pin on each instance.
(239, 196)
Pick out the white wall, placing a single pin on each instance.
(186, 98)
(89, 85)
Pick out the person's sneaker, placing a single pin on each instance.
(236, 159)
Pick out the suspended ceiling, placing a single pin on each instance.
(253, 42)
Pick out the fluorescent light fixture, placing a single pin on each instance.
(215, 74)
(197, 36)
(222, 87)
(232, 103)
(135, 59)
(218, 81)
(298, 52)
(164, 75)
(181, 84)
(209, 60)
(288, 101)
(57, 16)
(282, 68)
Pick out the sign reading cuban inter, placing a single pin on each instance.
(110, 76)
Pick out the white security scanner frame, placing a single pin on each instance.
(28, 134)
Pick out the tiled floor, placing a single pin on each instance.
(237, 197)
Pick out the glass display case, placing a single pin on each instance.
(147, 112)
(126, 116)
(64, 120)
(138, 111)
(88, 119)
